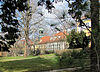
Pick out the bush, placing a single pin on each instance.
(72, 58)
(78, 40)
(80, 55)
(74, 54)
(49, 52)
(65, 59)
(59, 52)
(37, 52)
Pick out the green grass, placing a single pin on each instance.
(31, 63)
(3, 59)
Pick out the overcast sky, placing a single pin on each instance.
(53, 18)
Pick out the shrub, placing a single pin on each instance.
(59, 52)
(72, 58)
(37, 52)
(49, 52)
(77, 40)
(65, 59)
(74, 54)
(32, 52)
(42, 51)
(82, 54)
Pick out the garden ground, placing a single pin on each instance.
(29, 64)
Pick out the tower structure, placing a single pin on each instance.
(41, 32)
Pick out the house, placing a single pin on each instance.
(87, 22)
(83, 28)
(55, 42)
(19, 47)
(21, 43)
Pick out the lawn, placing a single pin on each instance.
(29, 64)
(35, 63)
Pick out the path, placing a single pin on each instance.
(67, 69)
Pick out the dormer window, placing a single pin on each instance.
(51, 38)
(40, 40)
(59, 36)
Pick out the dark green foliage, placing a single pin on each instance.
(48, 4)
(80, 54)
(49, 52)
(77, 7)
(65, 59)
(94, 6)
(36, 52)
(95, 37)
(77, 40)
(74, 58)
(9, 22)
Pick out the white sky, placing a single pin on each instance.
(52, 18)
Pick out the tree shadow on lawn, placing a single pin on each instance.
(28, 65)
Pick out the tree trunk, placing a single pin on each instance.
(26, 34)
(95, 51)
(27, 31)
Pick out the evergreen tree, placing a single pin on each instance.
(9, 23)
(47, 3)
(76, 9)
(77, 40)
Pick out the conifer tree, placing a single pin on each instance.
(9, 22)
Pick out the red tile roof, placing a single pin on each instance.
(44, 39)
(56, 37)
(61, 34)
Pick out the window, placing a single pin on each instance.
(59, 46)
(41, 32)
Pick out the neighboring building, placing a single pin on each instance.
(83, 28)
(3, 53)
(22, 43)
(55, 42)
(19, 47)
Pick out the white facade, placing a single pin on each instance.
(53, 46)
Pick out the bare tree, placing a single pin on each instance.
(25, 18)
(27, 23)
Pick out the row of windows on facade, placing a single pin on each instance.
(51, 46)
